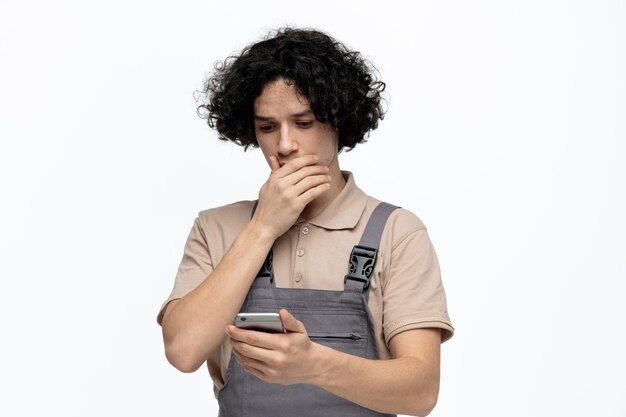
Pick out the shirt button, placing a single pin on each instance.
(300, 252)
(305, 230)
(298, 277)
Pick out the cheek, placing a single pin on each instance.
(264, 149)
(328, 147)
(327, 155)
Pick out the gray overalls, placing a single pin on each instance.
(338, 319)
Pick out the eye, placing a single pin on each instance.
(304, 123)
(266, 128)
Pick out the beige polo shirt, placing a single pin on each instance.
(406, 291)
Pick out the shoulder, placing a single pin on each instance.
(401, 223)
(227, 213)
(228, 219)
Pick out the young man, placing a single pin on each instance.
(356, 282)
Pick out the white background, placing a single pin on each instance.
(505, 134)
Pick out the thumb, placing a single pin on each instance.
(290, 323)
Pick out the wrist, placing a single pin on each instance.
(325, 361)
(261, 232)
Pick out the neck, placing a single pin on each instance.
(318, 205)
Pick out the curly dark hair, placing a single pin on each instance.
(340, 85)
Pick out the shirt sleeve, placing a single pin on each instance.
(194, 267)
(413, 294)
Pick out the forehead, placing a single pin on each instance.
(279, 96)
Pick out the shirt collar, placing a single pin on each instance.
(346, 209)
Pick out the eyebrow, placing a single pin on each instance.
(299, 114)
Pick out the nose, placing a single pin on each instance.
(287, 143)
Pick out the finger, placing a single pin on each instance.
(253, 352)
(250, 365)
(254, 371)
(311, 194)
(296, 164)
(251, 337)
(258, 374)
(308, 183)
(307, 171)
(290, 322)
(274, 165)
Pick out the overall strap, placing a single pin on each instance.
(363, 256)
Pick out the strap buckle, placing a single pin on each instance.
(362, 262)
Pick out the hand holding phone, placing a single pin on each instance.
(263, 322)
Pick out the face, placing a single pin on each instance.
(286, 128)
